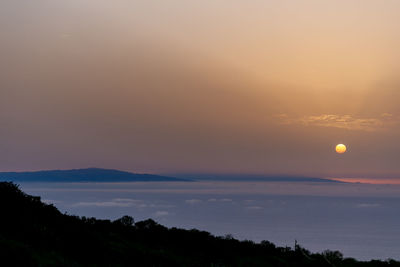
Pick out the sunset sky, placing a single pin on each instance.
(211, 86)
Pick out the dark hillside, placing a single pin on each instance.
(36, 234)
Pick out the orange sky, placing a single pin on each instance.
(201, 86)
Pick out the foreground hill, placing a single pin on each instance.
(36, 234)
(83, 175)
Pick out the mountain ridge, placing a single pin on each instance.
(113, 175)
(84, 175)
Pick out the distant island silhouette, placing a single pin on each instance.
(99, 175)
(253, 178)
(33, 233)
(84, 175)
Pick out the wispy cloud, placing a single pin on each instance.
(350, 122)
(367, 205)
(161, 213)
(220, 200)
(121, 202)
(51, 201)
(104, 204)
(254, 208)
(193, 201)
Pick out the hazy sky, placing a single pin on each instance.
(266, 87)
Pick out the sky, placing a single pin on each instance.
(212, 86)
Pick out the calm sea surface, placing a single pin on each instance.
(360, 220)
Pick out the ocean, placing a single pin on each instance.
(360, 220)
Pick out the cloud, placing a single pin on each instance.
(126, 203)
(161, 213)
(254, 208)
(51, 201)
(130, 200)
(121, 202)
(349, 122)
(193, 201)
(367, 205)
(103, 204)
(65, 35)
(220, 200)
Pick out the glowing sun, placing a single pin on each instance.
(340, 148)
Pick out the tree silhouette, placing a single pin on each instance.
(125, 221)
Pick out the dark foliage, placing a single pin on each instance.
(36, 234)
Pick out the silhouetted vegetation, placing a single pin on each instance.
(37, 234)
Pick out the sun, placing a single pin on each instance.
(340, 148)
